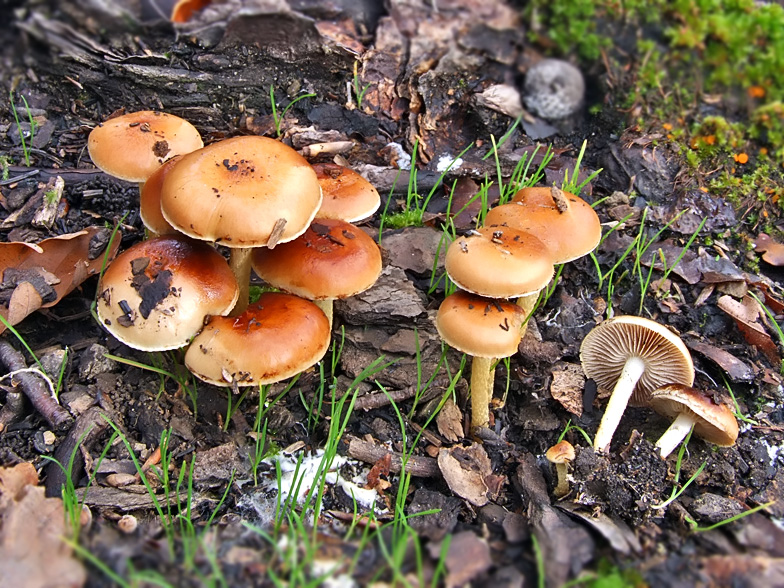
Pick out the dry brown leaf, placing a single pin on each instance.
(25, 300)
(567, 387)
(66, 257)
(469, 474)
(450, 422)
(772, 251)
(32, 550)
(747, 314)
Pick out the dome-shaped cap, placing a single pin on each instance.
(478, 326)
(713, 421)
(150, 200)
(561, 452)
(499, 262)
(275, 338)
(605, 350)
(565, 223)
(332, 259)
(242, 192)
(156, 294)
(347, 195)
(132, 146)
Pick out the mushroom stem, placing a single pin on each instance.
(632, 371)
(326, 306)
(562, 486)
(676, 433)
(482, 377)
(239, 261)
(527, 303)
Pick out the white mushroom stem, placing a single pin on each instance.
(624, 387)
(677, 432)
(239, 261)
(482, 378)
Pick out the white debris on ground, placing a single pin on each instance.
(447, 162)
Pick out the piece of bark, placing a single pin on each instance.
(121, 499)
(423, 467)
(35, 389)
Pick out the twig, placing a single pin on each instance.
(381, 398)
(34, 387)
(423, 467)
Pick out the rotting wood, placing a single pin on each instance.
(35, 388)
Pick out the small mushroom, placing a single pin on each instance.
(150, 201)
(713, 421)
(632, 356)
(485, 329)
(561, 454)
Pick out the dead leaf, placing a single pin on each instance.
(378, 474)
(617, 533)
(737, 370)
(467, 557)
(772, 251)
(469, 474)
(747, 314)
(32, 551)
(450, 422)
(24, 300)
(67, 258)
(567, 387)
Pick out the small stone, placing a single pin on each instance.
(712, 508)
(93, 362)
(118, 480)
(554, 89)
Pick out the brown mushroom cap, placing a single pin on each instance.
(150, 200)
(499, 262)
(605, 350)
(561, 452)
(132, 146)
(275, 338)
(242, 192)
(347, 195)
(569, 231)
(478, 326)
(156, 294)
(332, 259)
(713, 421)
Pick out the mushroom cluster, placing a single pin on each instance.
(257, 197)
(512, 257)
(646, 364)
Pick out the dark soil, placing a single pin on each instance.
(77, 65)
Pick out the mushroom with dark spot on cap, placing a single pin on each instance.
(712, 421)
(156, 294)
(485, 329)
(242, 193)
(132, 146)
(632, 356)
(276, 337)
(333, 259)
(561, 454)
(347, 195)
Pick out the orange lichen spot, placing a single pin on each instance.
(756, 92)
(741, 158)
(703, 189)
(763, 150)
(183, 10)
(667, 126)
(709, 139)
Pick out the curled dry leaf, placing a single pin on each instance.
(567, 387)
(449, 421)
(469, 474)
(40, 275)
(32, 551)
(747, 314)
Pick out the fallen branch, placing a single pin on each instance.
(422, 467)
(34, 385)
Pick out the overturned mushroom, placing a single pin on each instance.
(632, 356)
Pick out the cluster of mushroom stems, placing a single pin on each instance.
(276, 213)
